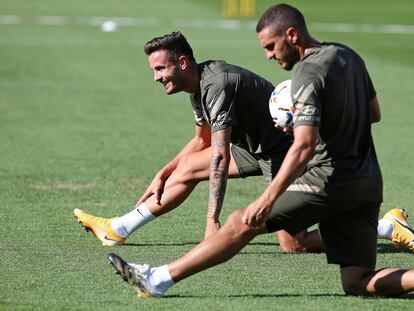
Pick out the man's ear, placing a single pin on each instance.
(292, 35)
(183, 62)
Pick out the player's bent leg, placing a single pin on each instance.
(387, 282)
(393, 226)
(303, 242)
(192, 169)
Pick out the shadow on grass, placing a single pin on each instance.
(162, 244)
(382, 248)
(409, 296)
(254, 296)
(390, 248)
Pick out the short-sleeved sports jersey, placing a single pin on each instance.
(332, 89)
(234, 97)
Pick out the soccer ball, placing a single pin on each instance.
(109, 26)
(281, 106)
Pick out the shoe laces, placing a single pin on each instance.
(404, 213)
(142, 269)
(101, 220)
(142, 275)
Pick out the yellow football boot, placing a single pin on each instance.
(100, 227)
(403, 234)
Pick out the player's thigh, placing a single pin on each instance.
(295, 211)
(243, 163)
(196, 165)
(233, 167)
(350, 239)
(270, 165)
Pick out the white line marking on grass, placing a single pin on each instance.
(365, 28)
(227, 24)
(9, 20)
(125, 21)
(51, 20)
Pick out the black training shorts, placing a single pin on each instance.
(348, 228)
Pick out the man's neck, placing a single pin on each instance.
(193, 78)
(308, 44)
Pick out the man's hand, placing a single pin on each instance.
(212, 226)
(156, 188)
(287, 130)
(256, 213)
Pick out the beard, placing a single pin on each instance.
(290, 58)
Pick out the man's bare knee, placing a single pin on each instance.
(234, 221)
(354, 280)
(354, 289)
(237, 229)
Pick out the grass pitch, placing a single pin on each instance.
(83, 125)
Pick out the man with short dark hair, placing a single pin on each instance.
(234, 137)
(329, 176)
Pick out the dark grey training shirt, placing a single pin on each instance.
(234, 97)
(331, 89)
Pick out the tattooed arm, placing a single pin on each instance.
(220, 160)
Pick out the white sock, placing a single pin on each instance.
(130, 222)
(161, 279)
(385, 229)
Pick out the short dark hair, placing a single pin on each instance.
(175, 43)
(279, 17)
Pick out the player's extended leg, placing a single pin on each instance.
(192, 169)
(220, 247)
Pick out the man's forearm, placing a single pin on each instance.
(218, 172)
(294, 163)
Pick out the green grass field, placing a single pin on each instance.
(82, 124)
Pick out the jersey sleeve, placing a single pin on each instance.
(306, 96)
(197, 109)
(220, 102)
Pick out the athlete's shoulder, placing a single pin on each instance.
(217, 75)
(327, 53)
(212, 67)
(217, 67)
(319, 61)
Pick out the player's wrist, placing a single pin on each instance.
(213, 220)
